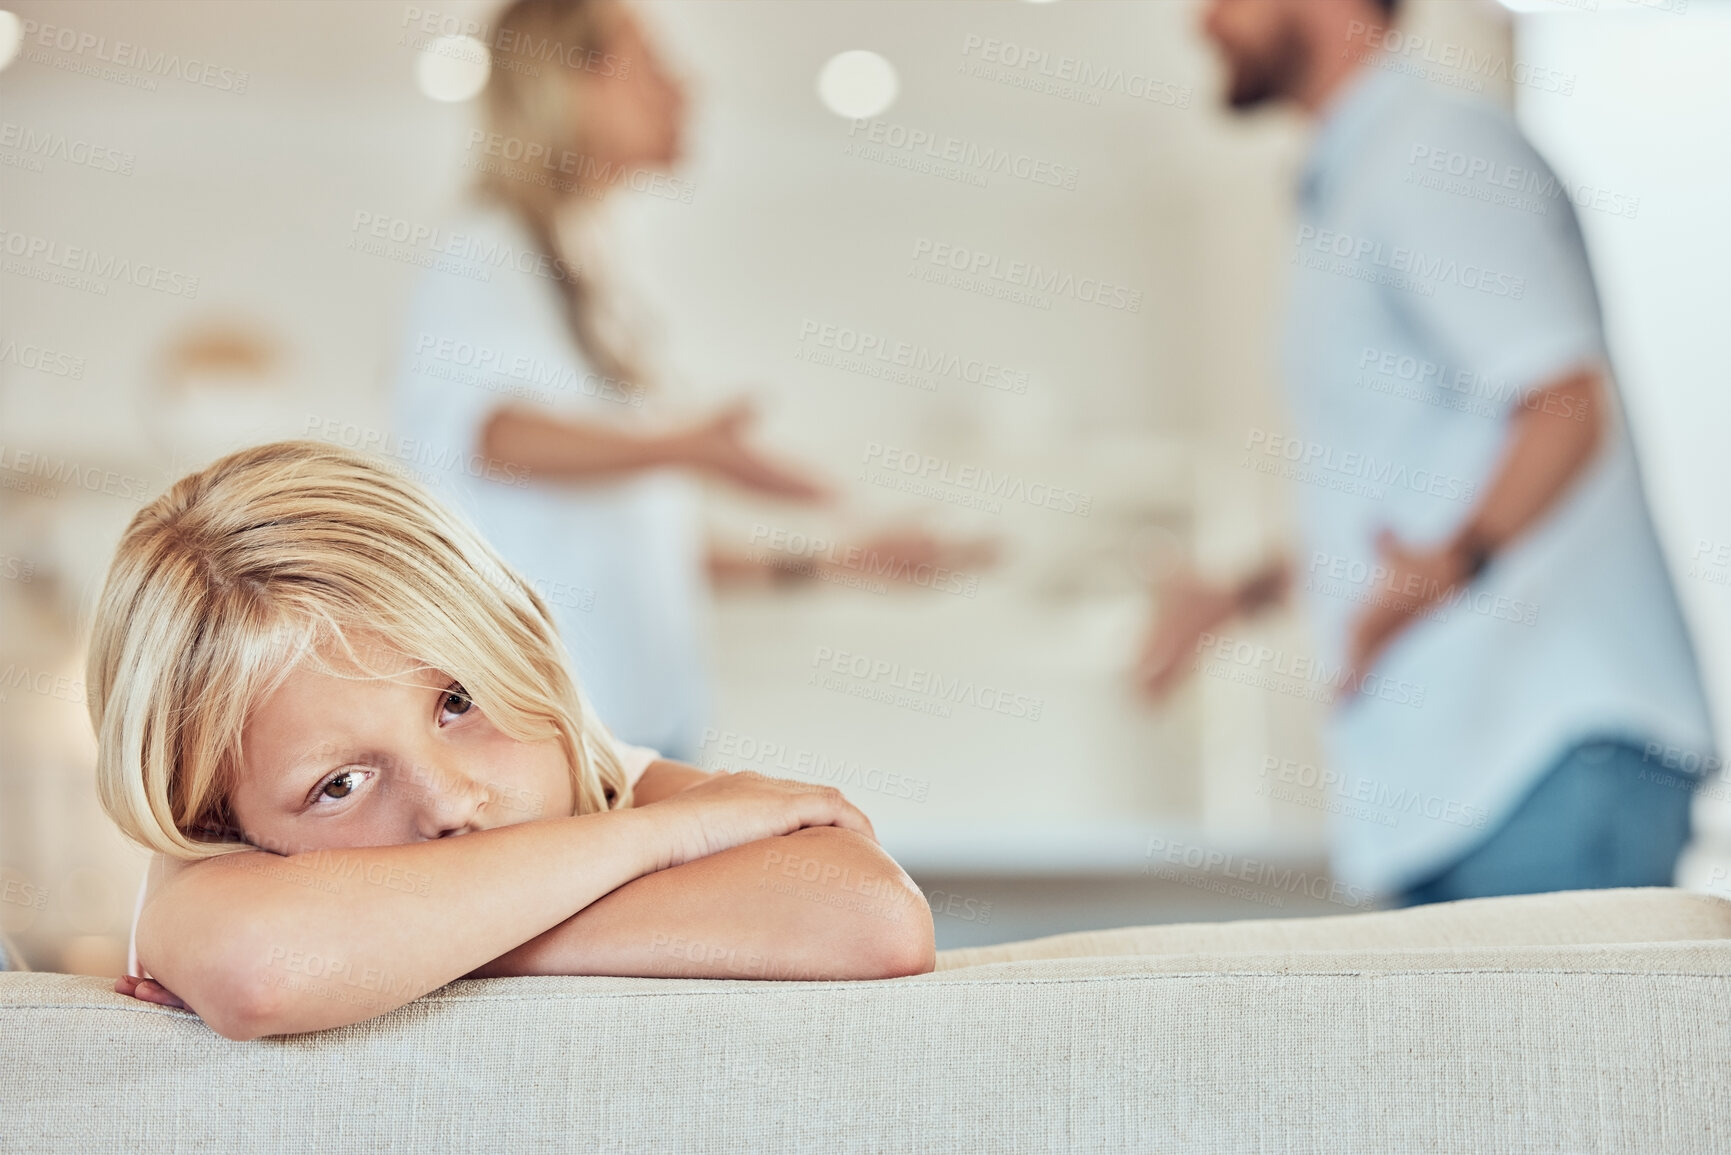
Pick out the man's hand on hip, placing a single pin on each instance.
(1413, 582)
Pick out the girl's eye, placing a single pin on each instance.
(456, 701)
(340, 786)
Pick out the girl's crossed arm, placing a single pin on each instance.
(261, 944)
(819, 903)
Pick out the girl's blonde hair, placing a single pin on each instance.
(529, 104)
(266, 559)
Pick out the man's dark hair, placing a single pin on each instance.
(1388, 6)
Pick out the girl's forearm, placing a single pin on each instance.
(316, 940)
(821, 903)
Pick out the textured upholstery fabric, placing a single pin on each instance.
(1406, 1044)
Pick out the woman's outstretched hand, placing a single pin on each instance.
(734, 808)
(718, 447)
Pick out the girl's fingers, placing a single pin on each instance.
(157, 993)
(147, 990)
(851, 817)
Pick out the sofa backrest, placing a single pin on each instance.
(1608, 1046)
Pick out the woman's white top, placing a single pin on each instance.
(620, 562)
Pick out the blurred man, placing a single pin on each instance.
(1478, 560)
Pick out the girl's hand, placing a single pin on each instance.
(734, 808)
(149, 990)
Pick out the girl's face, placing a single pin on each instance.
(331, 761)
(632, 109)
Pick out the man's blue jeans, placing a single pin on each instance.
(1603, 816)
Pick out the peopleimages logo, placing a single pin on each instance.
(58, 146)
(41, 359)
(1256, 872)
(86, 51)
(1376, 794)
(1369, 583)
(536, 374)
(417, 453)
(48, 684)
(982, 160)
(1298, 675)
(436, 241)
(510, 50)
(1458, 65)
(877, 355)
(538, 164)
(797, 547)
(920, 688)
(1071, 77)
(1498, 182)
(39, 473)
(1711, 561)
(1500, 395)
(727, 750)
(1356, 467)
(987, 268)
(78, 263)
(1365, 258)
(22, 892)
(970, 485)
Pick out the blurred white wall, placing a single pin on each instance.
(1643, 144)
(253, 188)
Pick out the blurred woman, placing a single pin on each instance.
(528, 397)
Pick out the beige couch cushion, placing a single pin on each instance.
(1651, 914)
(1605, 1047)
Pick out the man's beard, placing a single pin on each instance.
(1274, 74)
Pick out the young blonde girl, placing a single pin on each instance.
(307, 680)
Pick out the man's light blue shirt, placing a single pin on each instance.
(1439, 282)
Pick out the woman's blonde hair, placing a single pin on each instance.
(530, 106)
(268, 558)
